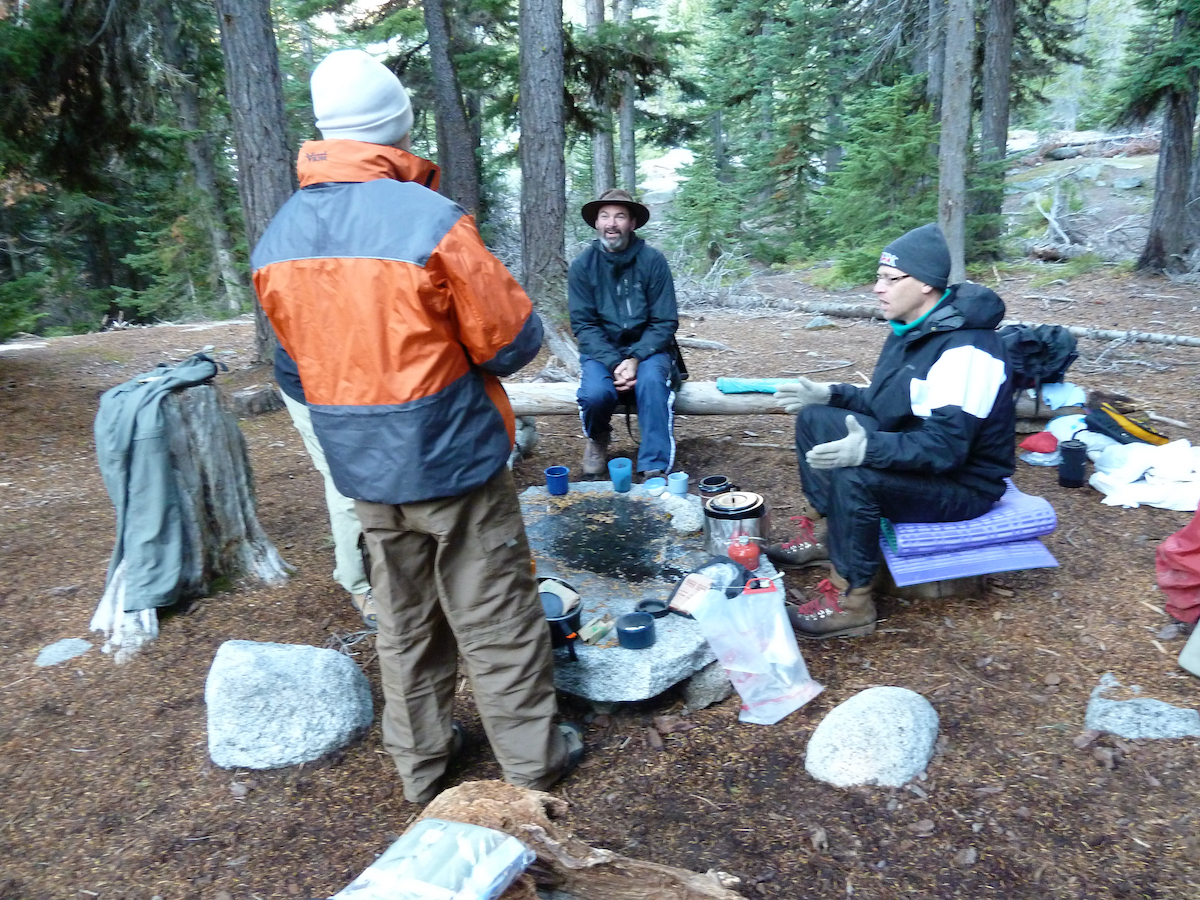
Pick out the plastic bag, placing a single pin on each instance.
(1177, 565)
(1041, 459)
(439, 860)
(755, 644)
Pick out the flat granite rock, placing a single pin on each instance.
(1138, 718)
(616, 549)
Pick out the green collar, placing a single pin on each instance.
(900, 329)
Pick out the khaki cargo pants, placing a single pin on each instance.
(453, 576)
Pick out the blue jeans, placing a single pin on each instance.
(853, 498)
(655, 404)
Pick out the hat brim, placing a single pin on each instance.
(641, 215)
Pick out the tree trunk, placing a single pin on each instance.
(266, 166)
(543, 170)
(456, 150)
(603, 170)
(956, 127)
(935, 55)
(186, 94)
(214, 494)
(993, 120)
(1166, 244)
(625, 113)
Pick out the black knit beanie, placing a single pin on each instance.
(922, 253)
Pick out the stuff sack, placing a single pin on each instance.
(754, 643)
(1177, 565)
(1129, 428)
(1039, 354)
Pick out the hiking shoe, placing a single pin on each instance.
(595, 457)
(365, 604)
(834, 613)
(653, 473)
(802, 550)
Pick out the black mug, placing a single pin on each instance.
(715, 484)
(1070, 466)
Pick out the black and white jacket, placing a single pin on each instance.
(942, 394)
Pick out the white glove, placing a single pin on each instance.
(849, 451)
(795, 395)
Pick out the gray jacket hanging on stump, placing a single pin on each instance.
(132, 449)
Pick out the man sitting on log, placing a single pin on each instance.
(930, 440)
(400, 322)
(621, 299)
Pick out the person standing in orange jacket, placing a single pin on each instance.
(401, 323)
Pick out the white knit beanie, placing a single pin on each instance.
(357, 98)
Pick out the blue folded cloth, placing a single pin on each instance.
(751, 385)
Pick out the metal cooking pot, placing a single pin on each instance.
(731, 514)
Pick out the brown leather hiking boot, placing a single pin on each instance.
(595, 457)
(834, 613)
(805, 549)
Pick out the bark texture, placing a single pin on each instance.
(186, 94)
(254, 88)
(565, 863)
(603, 171)
(993, 119)
(956, 128)
(627, 144)
(1166, 244)
(543, 167)
(456, 146)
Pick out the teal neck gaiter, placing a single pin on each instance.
(900, 329)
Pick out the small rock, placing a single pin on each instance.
(223, 895)
(921, 828)
(239, 790)
(672, 724)
(654, 739)
(820, 322)
(966, 857)
(1106, 756)
(820, 839)
(1170, 632)
(61, 651)
(602, 720)
(65, 590)
(1052, 679)
(1128, 184)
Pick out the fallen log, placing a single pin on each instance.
(695, 398)
(565, 863)
(864, 311)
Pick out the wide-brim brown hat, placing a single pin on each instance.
(618, 197)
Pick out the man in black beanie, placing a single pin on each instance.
(930, 440)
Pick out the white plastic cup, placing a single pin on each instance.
(1190, 657)
(677, 483)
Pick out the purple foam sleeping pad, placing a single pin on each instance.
(1015, 517)
(1001, 540)
(1008, 557)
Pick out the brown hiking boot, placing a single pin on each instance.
(804, 549)
(834, 613)
(595, 457)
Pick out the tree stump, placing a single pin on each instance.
(565, 863)
(215, 501)
(216, 494)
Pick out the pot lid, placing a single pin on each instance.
(734, 502)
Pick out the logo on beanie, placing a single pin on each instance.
(888, 259)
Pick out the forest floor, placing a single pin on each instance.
(107, 791)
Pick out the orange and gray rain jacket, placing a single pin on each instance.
(400, 323)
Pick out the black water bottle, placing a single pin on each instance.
(1070, 466)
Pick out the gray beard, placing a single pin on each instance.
(614, 245)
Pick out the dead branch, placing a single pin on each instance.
(565, 863)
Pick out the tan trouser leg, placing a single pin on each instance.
(458, 570)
